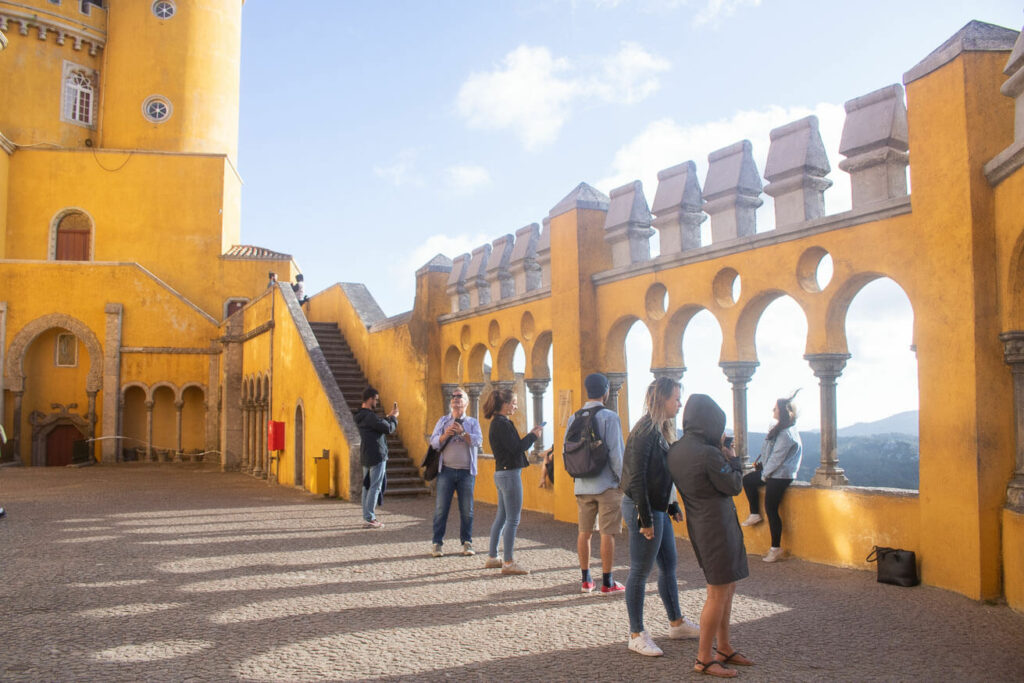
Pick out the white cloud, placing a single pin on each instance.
(410, 260)
(403, 171)
(718, 9)
(533, 93)
(665, 143)
(464, 178)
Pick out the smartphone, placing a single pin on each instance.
(544, 423)
(395, 405)
(728, 442)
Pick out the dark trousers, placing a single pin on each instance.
(774, 489)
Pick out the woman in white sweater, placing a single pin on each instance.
(775, 468)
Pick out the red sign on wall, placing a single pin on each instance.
(275, 435)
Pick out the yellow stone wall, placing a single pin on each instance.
(1013, 559)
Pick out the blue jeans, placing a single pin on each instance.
(642, 556)
(510, 505)
(371, 494)
(450, 481)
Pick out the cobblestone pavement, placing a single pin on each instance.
(177, 573)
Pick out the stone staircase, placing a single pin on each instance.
(403, 475)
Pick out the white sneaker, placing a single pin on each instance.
(643, 645)
(687, 629)
(467, 548)
(751, 520)
(773, 555)
(435, 550)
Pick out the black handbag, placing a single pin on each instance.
(430, 462)
(895, 566)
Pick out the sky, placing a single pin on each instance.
(377, 134)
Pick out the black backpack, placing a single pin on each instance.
(585, 453)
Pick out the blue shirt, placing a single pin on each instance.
(476, 439)
(610, 429)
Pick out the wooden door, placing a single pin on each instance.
(59, 445)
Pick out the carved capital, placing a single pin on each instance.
(474, 389)
(1013, 348)
(538, 386)
(827, 366)
(739, 371)
(673, 373)
(615, 381)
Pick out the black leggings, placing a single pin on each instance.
(773, 492)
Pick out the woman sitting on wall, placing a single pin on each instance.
(774, 468)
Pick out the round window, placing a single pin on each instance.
(163, 9)
(157, 109)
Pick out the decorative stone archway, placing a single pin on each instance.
(43, 424)
(14, 372)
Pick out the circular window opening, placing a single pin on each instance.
(656, 301)
(814, 269)
(157, 108)
(163, 9)
(726, 287)
(527, 325)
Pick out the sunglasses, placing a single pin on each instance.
(455, 396)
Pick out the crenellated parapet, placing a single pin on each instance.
(525, 269)
(456, 288)
(796, 169)
(43, 27)
(875, 144)
(476, 277)
(677, 208)
(627, 225)
(732, 191)
(499, 277)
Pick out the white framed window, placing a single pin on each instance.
(157, 108)
(66, 353)
(78, 95)
(163, 9)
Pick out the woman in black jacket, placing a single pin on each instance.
(708, 475)
(648, 506)
(509, 460)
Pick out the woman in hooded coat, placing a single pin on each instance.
(708, 474)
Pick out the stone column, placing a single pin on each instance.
(261, 434)
(537, 388)
(502, 384)
(473, 389)
(178, 406)
(827, 367)
(1013, 354)
(16, 427)
(245, 465)
(615, 382)
(447, 389)
(254, 446)
(111, 426)
(150, 456)
(90, 416)
(739, 373)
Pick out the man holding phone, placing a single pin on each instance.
(373, 451)
(457, 438)
(598, 498)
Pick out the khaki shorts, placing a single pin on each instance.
(601, 512)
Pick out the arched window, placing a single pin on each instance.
(74, 231)
(79, 96)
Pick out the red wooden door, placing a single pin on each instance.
(72, 245)
(59, 444)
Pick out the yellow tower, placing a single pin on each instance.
(171, 76)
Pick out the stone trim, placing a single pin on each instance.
(257, 331)
(45, 25)
(529, 297)
(975, 36)
(6, 145)
(212, 350)
(1004, 164)
(14, 372)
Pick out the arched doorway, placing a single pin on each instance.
(300, 451)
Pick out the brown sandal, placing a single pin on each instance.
(702, 668)
(736, 659)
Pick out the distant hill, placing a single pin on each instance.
(889, 460)
(900, 423)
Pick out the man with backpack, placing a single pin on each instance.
(593, 456)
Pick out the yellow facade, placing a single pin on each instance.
(160, 367)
